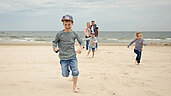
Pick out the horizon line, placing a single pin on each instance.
(83, 30)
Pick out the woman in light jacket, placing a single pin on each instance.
(87, 32)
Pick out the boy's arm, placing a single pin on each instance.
(80, 42)
(131, 43)
(86, 39)
(144, 43)
(54, 43)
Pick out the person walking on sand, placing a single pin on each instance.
(64, 43)
(139, 42)
(95, 29)
(93, 42)
(87, 33)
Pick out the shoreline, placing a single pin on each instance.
(17, 43)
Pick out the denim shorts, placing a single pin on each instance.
(72, 64)
(93, 49)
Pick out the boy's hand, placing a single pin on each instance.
(79, 50)
(57, 49)
(143, 43)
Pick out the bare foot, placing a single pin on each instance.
(75, 89)
(136, 62)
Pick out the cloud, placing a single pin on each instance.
(109, 14)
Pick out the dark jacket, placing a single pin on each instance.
(95, 29)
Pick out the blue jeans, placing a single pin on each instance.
(87, 43)
(96, 44)
(138, 58)
(72, 63)
(93, 49)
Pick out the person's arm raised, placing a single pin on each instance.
(54, 43)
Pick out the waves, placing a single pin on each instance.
(104, 36)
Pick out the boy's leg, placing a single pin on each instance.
(93, 50)
(75, 89)
(137, 57)
(64, 67)
(75, 72)
(93, 54)
(89, 51)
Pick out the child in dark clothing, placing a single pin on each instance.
(139, 42)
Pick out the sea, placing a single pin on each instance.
(157, 37)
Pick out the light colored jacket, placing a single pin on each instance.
(87, 31)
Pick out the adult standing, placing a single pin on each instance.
(95, 30)
(87, 33)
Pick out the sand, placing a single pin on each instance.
(28, 70)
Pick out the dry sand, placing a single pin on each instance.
(35, 71)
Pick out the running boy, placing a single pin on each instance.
(64, 43)
(93, 42)
(139, 42)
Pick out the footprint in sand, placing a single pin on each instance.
(41, 70)
(13, 84)
(151, 93)
(108, 52)
(102, 73)
(127, 84)
(125, 74)
(132, 66)
(53, 77)
(136, 72)
(142, 84)
(25, 81)
(91, 77)
(2, 67)
(111, 93)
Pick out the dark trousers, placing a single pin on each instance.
(96, 43)
(138, 58)
(87, 43)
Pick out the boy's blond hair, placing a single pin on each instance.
(138, 33)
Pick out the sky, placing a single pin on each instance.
(109, 15)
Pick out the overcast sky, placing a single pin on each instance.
(45, 15)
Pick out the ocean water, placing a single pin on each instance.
(104, 36)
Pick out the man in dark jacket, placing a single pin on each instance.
(95, 30)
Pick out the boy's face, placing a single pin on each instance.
(139, 36)
(92, 35)
(67, 25)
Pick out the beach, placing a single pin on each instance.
(33, 69)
